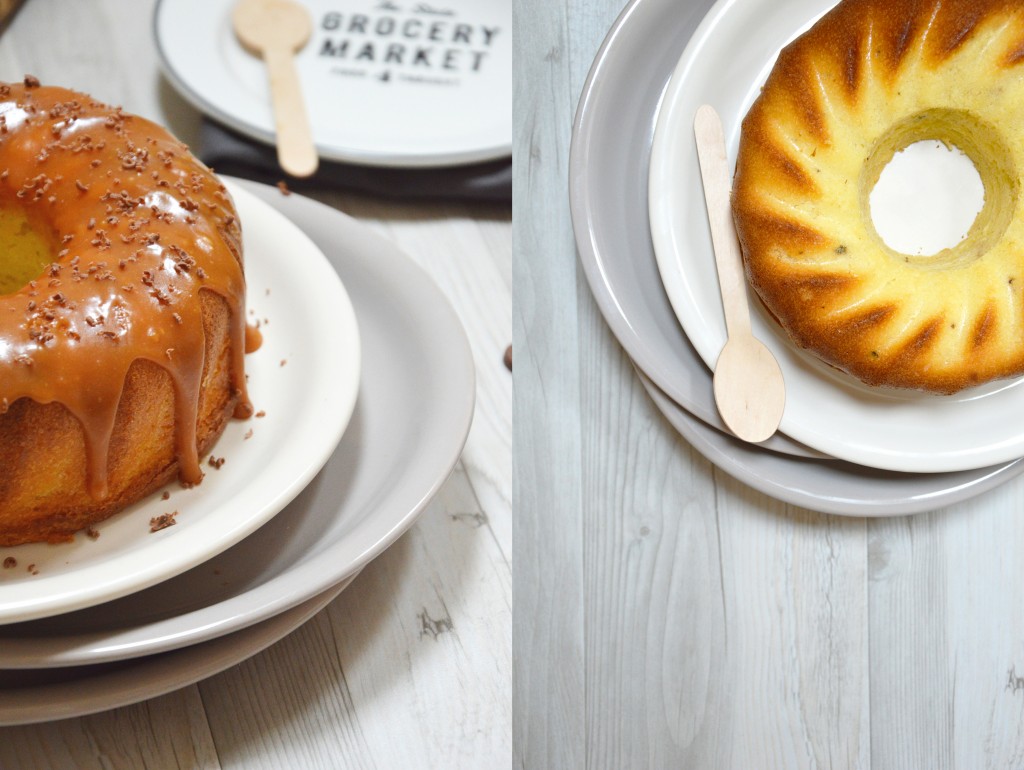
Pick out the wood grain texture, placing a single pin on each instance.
(450, 701)
(947, 636)
(170, 731)
(549, 697)
(411, 666)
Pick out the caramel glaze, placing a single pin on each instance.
(139, 230)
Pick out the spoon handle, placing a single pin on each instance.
(714, 171)
(295, 149)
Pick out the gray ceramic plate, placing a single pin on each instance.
(415, 404)
(829, 487)
(43, 695)
(611, 147)
(608, 194)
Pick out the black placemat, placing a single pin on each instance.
(231, 153)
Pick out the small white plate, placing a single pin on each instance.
(411, 420)
(305, 383)
(724, 65)
(393, 83)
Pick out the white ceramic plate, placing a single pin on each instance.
(386, 84)
(33, 696)
(724, 64)
(416, 397)
(307, 401)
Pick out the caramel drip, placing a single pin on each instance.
(139, 228)
(253, 338)
(98, 411)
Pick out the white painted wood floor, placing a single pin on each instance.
(667, 616)
(411, 666)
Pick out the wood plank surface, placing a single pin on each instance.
(411, 666)
(549, 696)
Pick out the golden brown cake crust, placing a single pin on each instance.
(121, 362)
(867, 79)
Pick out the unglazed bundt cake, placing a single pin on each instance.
(868, 79)
(122, 329)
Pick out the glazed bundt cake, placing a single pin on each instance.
(122, 329)
(868, 79)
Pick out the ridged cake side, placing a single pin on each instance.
(866, 80)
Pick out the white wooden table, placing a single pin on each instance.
(667, 616)
(393, 697)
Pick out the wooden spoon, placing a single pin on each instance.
(749, 389)
(275, 30)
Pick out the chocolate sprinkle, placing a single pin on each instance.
(163, 521)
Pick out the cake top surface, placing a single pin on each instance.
(113, 230)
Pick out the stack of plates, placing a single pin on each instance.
(366, 390)
(843, 448)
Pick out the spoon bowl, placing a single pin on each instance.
(262, 25)
(749, 388)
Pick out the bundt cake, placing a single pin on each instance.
(868, 79)
(122, 327)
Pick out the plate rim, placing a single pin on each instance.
(719, 449)
(103, 690)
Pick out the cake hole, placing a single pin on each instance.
(926, 198)
(24, 253)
